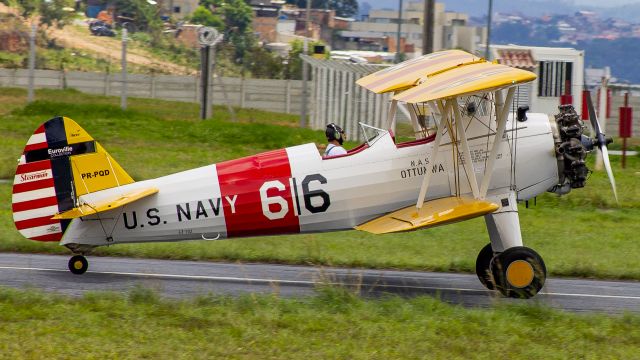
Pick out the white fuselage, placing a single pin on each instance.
(296, 190)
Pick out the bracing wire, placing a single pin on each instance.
(513, 119)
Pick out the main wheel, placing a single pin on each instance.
(78, 264)
(483, 267)
(519, 272)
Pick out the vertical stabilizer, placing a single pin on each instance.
(60, 162)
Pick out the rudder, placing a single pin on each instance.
(60, 162)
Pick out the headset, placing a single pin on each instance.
(334, 132)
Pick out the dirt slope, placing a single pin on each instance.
(78, 37)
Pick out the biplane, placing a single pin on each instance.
(474, 155)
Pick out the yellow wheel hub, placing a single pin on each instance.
(77, 264)
(520, 274)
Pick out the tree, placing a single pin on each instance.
(145, 16)
(52, 12)
(264, 64)
(203, 16)
(56, 12)
(295, 63)
(231, 17)
(345, 8)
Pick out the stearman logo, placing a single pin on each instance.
(65, 151)
(53, 228)
(34, 176)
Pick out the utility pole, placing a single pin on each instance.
(123, 91)
(32, 62)
(205, 78)
(305, 69)
(487, 49)
(399, 29)
(428, 22)
(208, 38)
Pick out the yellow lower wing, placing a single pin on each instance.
(433, 213)
(107, 204)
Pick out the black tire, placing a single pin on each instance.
(483, 267)
(78, 264)
(519, 272)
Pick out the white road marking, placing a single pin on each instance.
(302, 282)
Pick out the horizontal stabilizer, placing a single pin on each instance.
(107, 204)
(433, 213)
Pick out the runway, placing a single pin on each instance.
(184, 279)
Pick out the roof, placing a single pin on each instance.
(362, 34)
(344, 18)
(519, 58)
(541, 52)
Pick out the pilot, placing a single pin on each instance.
(335, 137)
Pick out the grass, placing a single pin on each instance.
(583, 234)
(174, 137)
(333, 325)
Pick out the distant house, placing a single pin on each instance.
(560, 72)
(265, 19)
(178, 8)
(451, 30)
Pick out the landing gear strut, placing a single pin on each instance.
(517, 272)
(78, 264)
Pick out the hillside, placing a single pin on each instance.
(74, 48)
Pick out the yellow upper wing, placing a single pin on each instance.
(465, 80)
(406, 74)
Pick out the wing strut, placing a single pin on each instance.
(391, 116)
(502, 111)
(436, 144)
(467, 163)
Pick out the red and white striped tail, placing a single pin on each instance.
(34, 199)
(57, 157)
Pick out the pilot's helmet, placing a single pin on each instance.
(334, 132)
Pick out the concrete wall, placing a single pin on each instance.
(265, 94)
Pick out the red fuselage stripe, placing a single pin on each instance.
(34, 204)
(35, 222)
(38, 146)
(33, 185)
(48, 237)
(240, 183)
(34, 166)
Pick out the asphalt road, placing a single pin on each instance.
(182, 279)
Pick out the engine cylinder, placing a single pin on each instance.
(571, 150)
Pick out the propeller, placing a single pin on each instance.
(602, 142)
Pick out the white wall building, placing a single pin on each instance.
(560, 71)
(451, 29)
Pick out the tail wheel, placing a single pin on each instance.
(519, 272)
(78, 264)
(483, 267)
